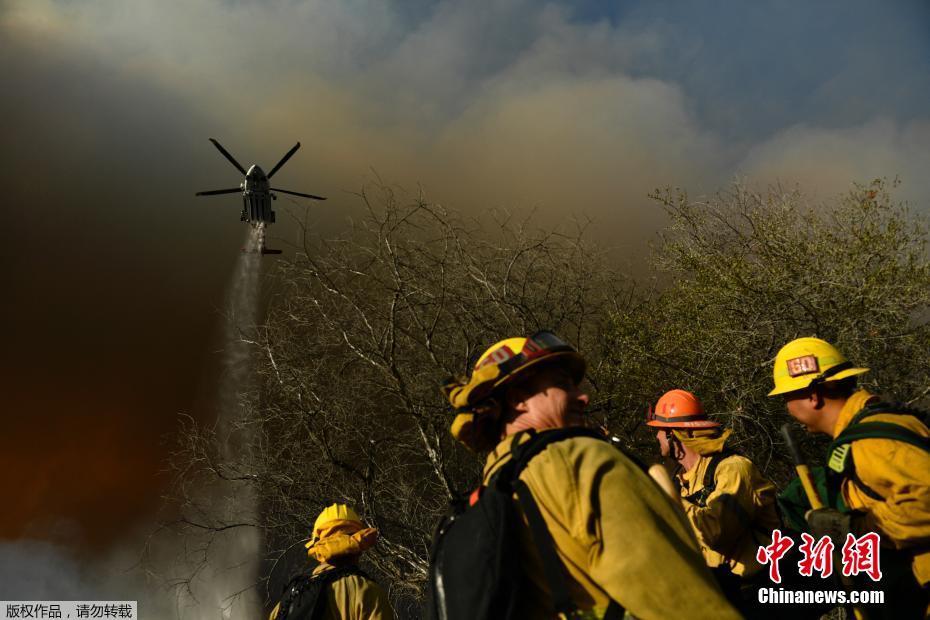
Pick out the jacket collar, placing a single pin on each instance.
(853, 405)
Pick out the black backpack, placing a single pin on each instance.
(301, 599)
(475, 566)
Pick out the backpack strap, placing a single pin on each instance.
(709, 482)
(553, 568)
(709, 485)
(890, 407)
(523, 453)
(552, 565)
(840, 456)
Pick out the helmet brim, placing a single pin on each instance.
(691, 424)
(844, 374)
(571, 359)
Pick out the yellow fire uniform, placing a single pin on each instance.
(900, 474)
(738, 515)
(618, 535)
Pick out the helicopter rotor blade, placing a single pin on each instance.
(215, 192)
(226, 154)
(283, 160)
(286, 191)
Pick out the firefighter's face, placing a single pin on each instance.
(803, 407)
(664, 447)
(552, 398)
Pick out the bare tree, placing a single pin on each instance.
(350, 358)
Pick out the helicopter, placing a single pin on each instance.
(257, 193)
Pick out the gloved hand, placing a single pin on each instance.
(829, 522)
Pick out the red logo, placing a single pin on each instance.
(817, 556)
(773, 553)
(860, 555)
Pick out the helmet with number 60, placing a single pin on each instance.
(805, 362)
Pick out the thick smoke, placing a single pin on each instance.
(37, 570)
(221, 588)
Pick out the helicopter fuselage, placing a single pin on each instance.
(256, 198)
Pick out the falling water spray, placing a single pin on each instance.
(225, 588)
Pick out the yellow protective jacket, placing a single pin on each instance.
(618, 535)
(899, 473)
(350, 598)
(738, 515)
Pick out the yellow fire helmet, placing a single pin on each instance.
(809, 361)
(335, 512)
(496, 367)
(339, 532)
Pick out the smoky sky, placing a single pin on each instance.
(115, 274)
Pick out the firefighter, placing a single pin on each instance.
(622, 543)
(731, 505)
(337, 589)
(878, 467)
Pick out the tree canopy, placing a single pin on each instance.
(742, 273)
